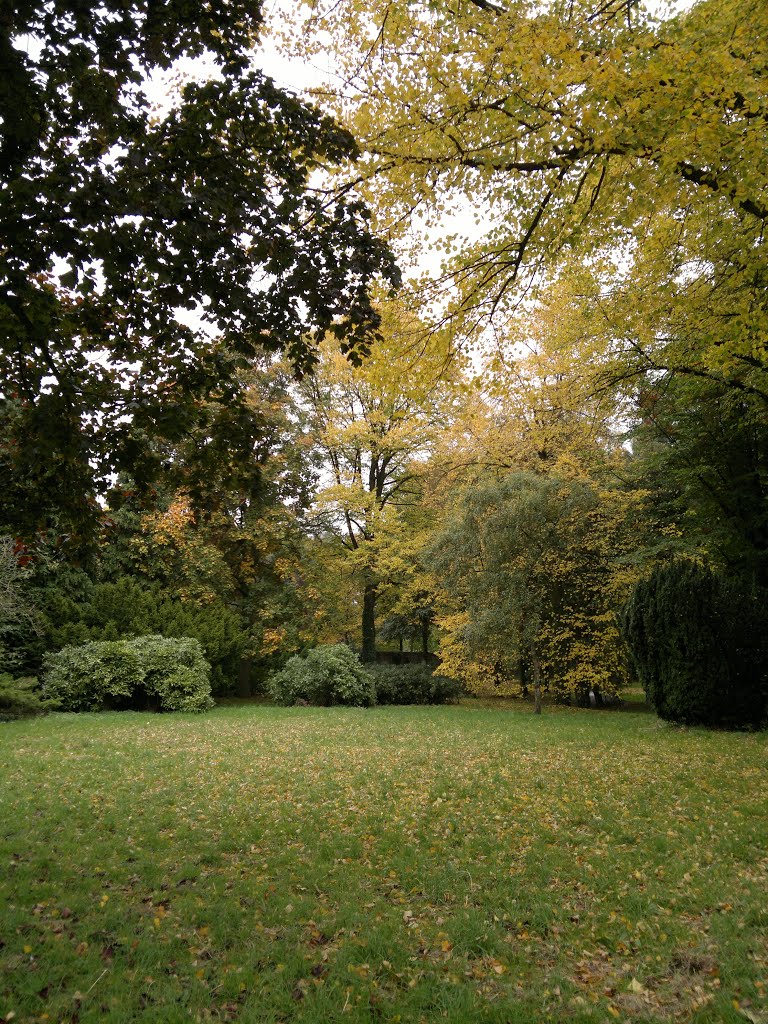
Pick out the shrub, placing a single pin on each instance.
(697, 643)
(170, 674)
(128, 607)
(92, 676)
(330, 674)
(20, 697)
(175, 671)
(412, 684)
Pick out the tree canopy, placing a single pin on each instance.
(562, 124)
(192, 305)
(147, 254)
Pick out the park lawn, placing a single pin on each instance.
(396, 864)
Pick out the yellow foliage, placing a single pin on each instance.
(272, 641)
(171, 546)
(476, 675)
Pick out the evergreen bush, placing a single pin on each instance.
(326, 675)
(697, 642)
(164, 673)
(412, 684)
(128, 607)
(20, 697)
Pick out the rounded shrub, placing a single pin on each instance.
(176, 673)
(326, 675)
(163, 673)
(412, 684)
(697, 642)
(93, 676)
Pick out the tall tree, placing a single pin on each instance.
(701, 450)
(120, 224)
(570, 123)
(580, 133)
(234, 534)
(375, 425)
(532, 575)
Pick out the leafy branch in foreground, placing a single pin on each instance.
(123, 226)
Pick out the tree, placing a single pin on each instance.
(18, 618)
(592, 140)
(121, 223)
(573, 124)
(532, 579)
(375, 425)
(233, 538)
(616, 164)
(697, 641)
(700, 449)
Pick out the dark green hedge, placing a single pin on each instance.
(697, 641)
(412, 684)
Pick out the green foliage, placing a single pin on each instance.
(130, 607)
(412, 684)
(330, 674)
(94, 676)
(700, 448)
(18, 621)
(20, 697)
(175, 672)
(697, 641)
(115, 216)
(149, 671)
(413, 620)
(531, 577)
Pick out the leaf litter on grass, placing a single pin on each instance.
(303, 864)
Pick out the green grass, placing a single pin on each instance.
(259, 864)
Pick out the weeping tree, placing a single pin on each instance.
(530, 574)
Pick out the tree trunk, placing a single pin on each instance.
(425, 638)
(536, 666)
(368, 651)
(244, 677)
